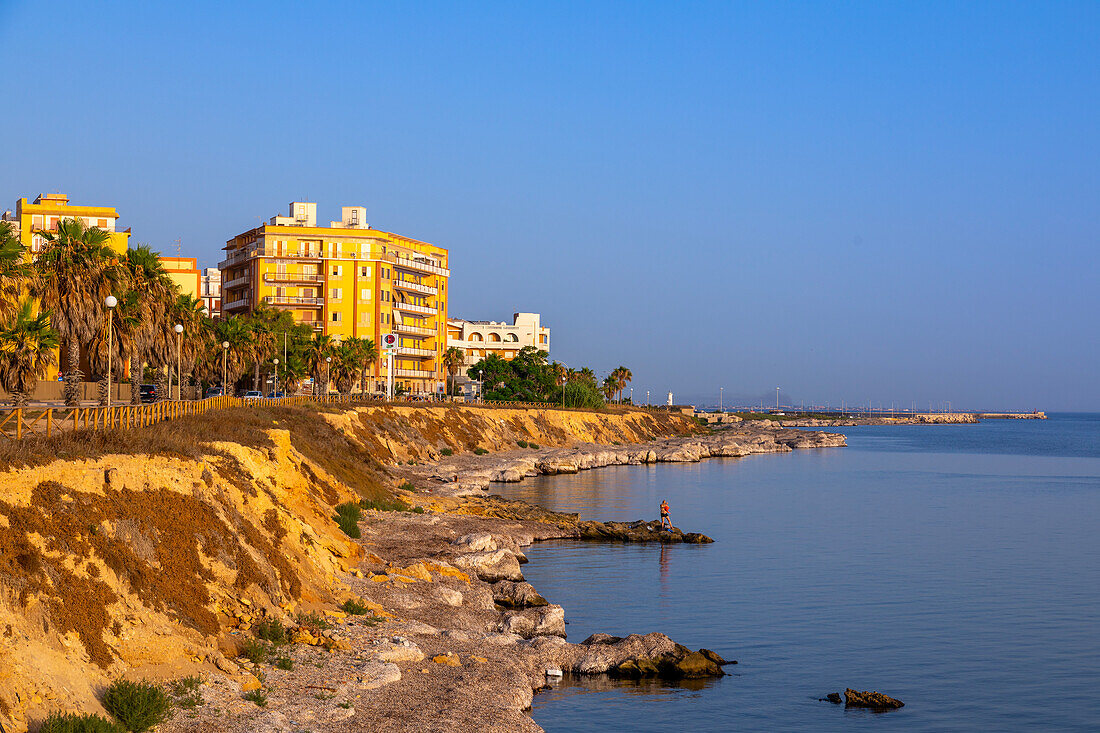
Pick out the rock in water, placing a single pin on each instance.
(874, 700)
(833, 697)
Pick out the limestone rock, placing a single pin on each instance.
(517, 595)
(476, 542)
(450, 596)
(404, 651)
(491, 566)
(875, 700)
(545, 621)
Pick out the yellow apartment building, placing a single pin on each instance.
(346, 280)
(50, 208)
(184, 272)
(31, 219)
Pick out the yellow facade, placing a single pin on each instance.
(50, 208)
(184, 272)
(43, 215)
(347, 280)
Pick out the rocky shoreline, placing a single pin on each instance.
(457, 639)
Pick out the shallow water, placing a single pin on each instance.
(956, 567)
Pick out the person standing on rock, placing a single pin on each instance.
(665, 521)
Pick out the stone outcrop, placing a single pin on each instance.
(875, 700)
(638, 656)
(639, 531)
(491, 566)
(517, 595)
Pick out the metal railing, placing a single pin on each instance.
(415, 287)
(414, 265)
(413, 308)
(292, 277)
(413, 330)
(293, 300)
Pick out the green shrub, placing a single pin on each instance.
(417, 510)
(284, 663)
(533, 445)
(385, 505)
(70, 723)
(479, 451)
(447, 452)
(347, 517)
(407, 486)
(272, 630)
(137, 705)
(521, 443)
(353, 607)
(314, 621)
(185, 692)
(256, 696)
(255, 651)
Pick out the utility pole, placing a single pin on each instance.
(777, 398)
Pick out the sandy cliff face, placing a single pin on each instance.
(121, 564)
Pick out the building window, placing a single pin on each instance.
(364, 294)
(335, 293)
(101, 223)
(355, 216)
(36, 221)
(364, 271)
(335, 317)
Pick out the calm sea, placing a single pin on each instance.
(956, 567)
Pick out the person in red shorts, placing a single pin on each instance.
(665, 521)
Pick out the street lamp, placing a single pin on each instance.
(110, 301)
(720, 398)
(480, 385)
(328, 372)
(225, 372)
(275, 391)
(563, 380)
(647, 398)
(178, 328)
(777, 398)
(632, 396)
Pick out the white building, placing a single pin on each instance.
(211, 291)
(478, 339)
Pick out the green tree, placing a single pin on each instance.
(74, 273)
(609, 387)
(13, 271)
(453, 358)
(28, 346)
(318, 358)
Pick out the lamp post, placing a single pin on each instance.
(647, 398)
(328, 372)
(225, 372)
(563, 393)
(178, 328)
(110, 301)
(480, 385)
(777, 398)
(275, 390)
(632, 396)
(720, 398)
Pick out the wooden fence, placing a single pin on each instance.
(20, 422)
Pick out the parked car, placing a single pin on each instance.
(148, 392)
(253, 394)
(277, 395)
(214, 392)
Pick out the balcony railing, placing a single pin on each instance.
(293, 277)
(293, 300)
(237, 282)
(416, 265)
(419, 310)
(246, 253)
(235, 304)
(315, 325)
(415, 373)
(415, 287)
(411, 330)
(413, 351)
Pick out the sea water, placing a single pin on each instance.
(956, 567)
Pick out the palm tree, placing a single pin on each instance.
(622, 376)
(28, 346)
(453, 358)
(320, 347)
(189, 312)
(237, 332)
(346, 366)
(608, 387)
(369, 353)
(13, 271)
(75, 271)
(143, 313)
(292, 371)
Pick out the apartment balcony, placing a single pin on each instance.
(237, 282)
(416, 310)
(410, 330)
(414, 373)
(422, 265)
(247, 253)
(317, 326)
(293, 277)
(415, 287)
(236, 304)
(413, 351)
(294, 300)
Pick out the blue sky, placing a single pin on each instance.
(855, 201)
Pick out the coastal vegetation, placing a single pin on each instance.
(529, 377)
(139, 706)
